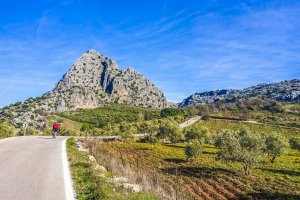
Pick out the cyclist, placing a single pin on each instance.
(55, 129)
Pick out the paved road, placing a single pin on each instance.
(190, 122)
(32, 168)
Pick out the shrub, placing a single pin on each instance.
(193, 150)
(276, 145)
(7, 130)
(170, 130)
(150, 129)
(198, 133)
(30, 131)
(127, 130)
(295, 143)
(86, 127)
(166, 112)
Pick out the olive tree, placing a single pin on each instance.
(240, 146)
(197, 133)
(170, 130)
(276, 145)
(149, 128)
(193, 150)
(295, 143)
(127, 130)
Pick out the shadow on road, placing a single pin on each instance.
(46, 138)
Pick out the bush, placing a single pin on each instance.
(276, 145)
(151, 129)
(170, 130)
(127, 131)
(166, 112)
(67, 132)
(29, 131)
(198, 133)
(86, 127)
(193, 150)
(295, 143)
(7, 130)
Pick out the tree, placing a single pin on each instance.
(240, 146)
(150, 129)
(170, 130)
(198, 133)
(169, 112)
(7, 130)
(276, 145)
(127, 130)
(295, 143)
(193, 150)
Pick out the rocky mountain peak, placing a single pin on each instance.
(92, 81)
(87, 71)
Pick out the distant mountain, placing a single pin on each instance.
(94, 80)
(285, 91)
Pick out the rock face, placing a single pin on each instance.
(285, 91)
(95, 80)
(92, 81)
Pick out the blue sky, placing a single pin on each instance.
(182, 46)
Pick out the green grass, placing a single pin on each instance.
(215, 126)
(89, 186)
(111, 114)
(66, 123)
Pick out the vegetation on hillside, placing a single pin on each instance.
(116, 113)
(7, 130)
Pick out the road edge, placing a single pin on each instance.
(69, 190)
(8, 138)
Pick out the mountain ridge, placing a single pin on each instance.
(287, 91)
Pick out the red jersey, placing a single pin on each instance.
(55, 126)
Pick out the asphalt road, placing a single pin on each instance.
(32, 168)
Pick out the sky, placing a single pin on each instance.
(182, 46)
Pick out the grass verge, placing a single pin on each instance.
(89, 186)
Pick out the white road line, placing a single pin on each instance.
(69, 192)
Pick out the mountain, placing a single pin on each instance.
(285, 91)
(94, 80)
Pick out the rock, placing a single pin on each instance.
(92, 158)
(285, 91)
(81, 147)
(116, 179)
(132, 187)
(94, 80)
(100, 167)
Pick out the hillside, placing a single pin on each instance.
(94, 80)
(285, 91)
(111, 114)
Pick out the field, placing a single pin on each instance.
(206, 178)
(163, 169)
(216, 125)
(101, 116)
